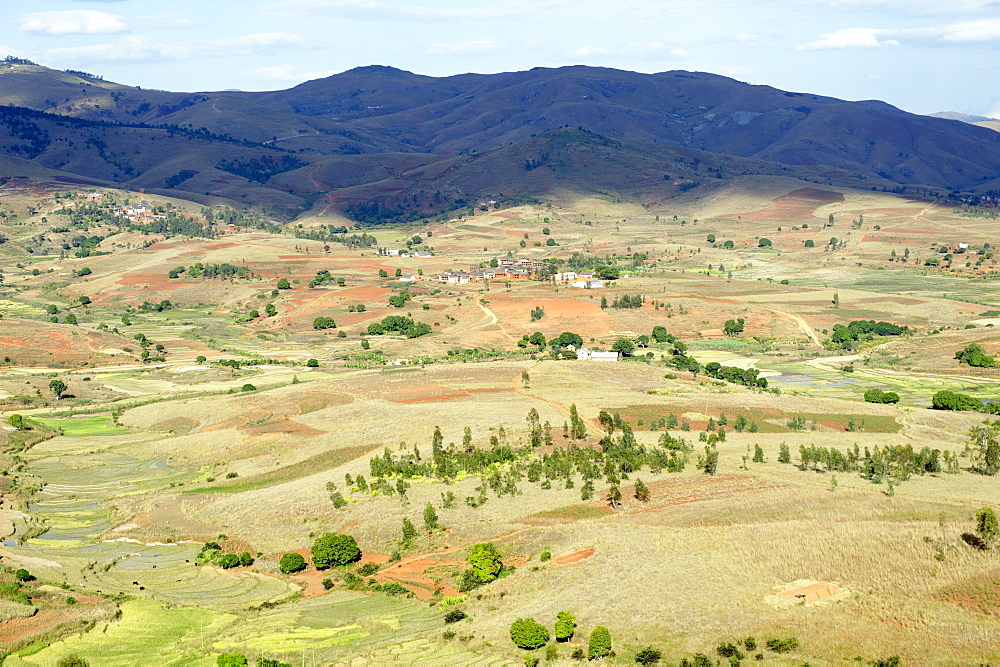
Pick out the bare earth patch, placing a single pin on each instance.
(574, 557)
(807, 592)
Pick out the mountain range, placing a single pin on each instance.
(412, 145)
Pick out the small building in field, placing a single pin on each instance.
(587, 284)
(586, 354)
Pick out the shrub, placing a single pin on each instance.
(600, 643)
(528, 634)
(228, 561)
(327, 584)
(333, 549)
(454, 616)
(73, 660)
(565, 626)
(312, 363)
(368, 569)
(545, 555)
(231, 660)
(292, 562)
(782, 645)
(986, 525)
(648, 656)
(23, 575)
(248, 387)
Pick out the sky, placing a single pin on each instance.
(920, 55)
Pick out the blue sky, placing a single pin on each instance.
(920, 55)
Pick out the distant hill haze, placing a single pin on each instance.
(387, 134)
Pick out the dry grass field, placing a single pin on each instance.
(139, 461)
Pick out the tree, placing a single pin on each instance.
(763, 242)
(565, 626)
(270, 310)
(485, 561)
(660, 334)
(324, 323)
(70, 319)
(986, 457)
(608, 273)
(879, 396)
(231, 660)
(333, 549)
(710, 462)
(626, 346)
(974, 355)
(711, 238)
(430, 517)
(641, 491)
(409, 532)
(200, 359)
(528, 634)
(312, 363)
(51, 309)
(84, 300)
(810, 243)
(57, 387)
(17, 421)
(292, 562)
(614, 496)
(986, 525)
(578, 430)
(600, 643)
(284, 284)
(734, 327)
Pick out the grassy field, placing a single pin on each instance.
(149, 460)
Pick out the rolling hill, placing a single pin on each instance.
(386, 134)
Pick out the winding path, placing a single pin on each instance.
(803, 325)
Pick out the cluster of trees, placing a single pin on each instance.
(223, 271)
(847, 337)
(895, 462)
(399, 300)
(745, 376)
(329, 550)
(503, 466)
(324, 323)
(323, 277)
(211, 552)
(974, 355)
(262, 168)
(401, 325)
(625, 301)
(529, 634)
(734, 327)
(332, 234)
(175, 225)
(879, 396)
(951, 400)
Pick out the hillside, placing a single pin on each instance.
(155, 139)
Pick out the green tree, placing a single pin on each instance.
(641, 491)
(486, 562)
(528, 634)
(324, 323)
(57, 387)
(600, 643)
(17, 421)
(810, 243)
(70, 319)
(763, 242)
(986, 525)
(430, 517)
(270, 310)
(231, 660)
(284, 284)
(734, 327)
(626, 346)
(578, 430)
(292, 562)
(565, 626)
(409, 532)
(312, 363)
(334, 549)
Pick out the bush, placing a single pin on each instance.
(454, 616)
(528, 634)
(545, 555)
(292, 562)
(73, 660)
(565, 626)
(324, 323)
(248, 387)
(648, 656)
(231, 660)
(228, 561)
(333, 549)
(986, 525)
(879, 396)
(23, 575)
(312, 363)
(600, 643)
(782, 645)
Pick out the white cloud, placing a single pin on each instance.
(478, 47)
(849, 38)
(73, 22)
(144, 48)
(983, 30)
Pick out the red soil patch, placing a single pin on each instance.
(285, 427)
(797, 204)
(573, 557)
(411, 573)
(450, 397)
(811, 593)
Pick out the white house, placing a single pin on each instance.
(587, 284)
(407, 278)
(586, 354)
(565, 275)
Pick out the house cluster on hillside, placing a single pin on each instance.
(508, 268)
(140, 213)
